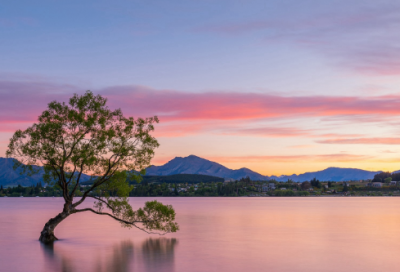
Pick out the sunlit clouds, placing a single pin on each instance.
(292, 130)
(279, 87)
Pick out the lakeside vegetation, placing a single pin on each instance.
(242, 187)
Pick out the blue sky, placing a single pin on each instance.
(287, 49)
(197, 45)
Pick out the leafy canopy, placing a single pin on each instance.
(85, 136)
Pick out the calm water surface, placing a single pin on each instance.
(217, 234)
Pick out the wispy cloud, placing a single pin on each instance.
(363, 37)
(301, 146)
(293, 158)
(369, 141)
(22, 102)
(176, 105)
(270, 132)
(388, 151)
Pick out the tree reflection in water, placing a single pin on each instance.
(158, 254)
(120, 259)
(154, 254)
(55, 261)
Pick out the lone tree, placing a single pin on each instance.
(84, 137)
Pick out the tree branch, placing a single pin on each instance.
(101, 200)
(119, 220)
(78, 179)
(103, 179)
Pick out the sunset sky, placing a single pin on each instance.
(279, 87)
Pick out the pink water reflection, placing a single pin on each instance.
(217, 234)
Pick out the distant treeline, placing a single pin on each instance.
(178, 178)
(386, 177)
(145, 189)
(203, 185)
(28, 191)
(181, 178)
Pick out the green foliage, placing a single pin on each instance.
(388, 180)
(154, 215)
(380, 177)
(284, 193)
(182, 178)
(345, 187)
(115, 186)
(84, 135)
(315, 183)
(303, 193)
(305, 185)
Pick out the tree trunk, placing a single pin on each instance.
(47, 235)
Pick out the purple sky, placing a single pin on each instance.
(279, 87)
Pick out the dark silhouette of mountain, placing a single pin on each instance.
(10, 177)
(331, 174)
(196, 165)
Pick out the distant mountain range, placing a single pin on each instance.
(196, 165)
(331, 174)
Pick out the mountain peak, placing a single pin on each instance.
(196, 165)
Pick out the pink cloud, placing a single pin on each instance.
(373, 141)
(295, 158)
(184, 113)
(388, 151)
(175, 105)
(174, 129)
(270, 132)
(23, 101)
(301, 146)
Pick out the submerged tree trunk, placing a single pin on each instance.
(47, 235)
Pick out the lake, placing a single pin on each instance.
(217, 234)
